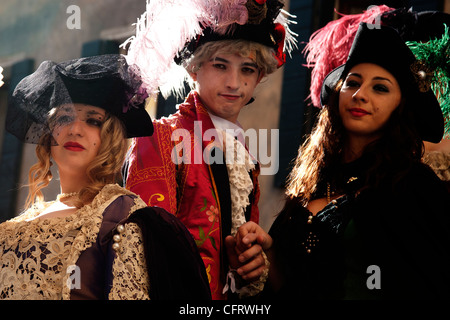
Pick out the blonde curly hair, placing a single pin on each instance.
(104, 169)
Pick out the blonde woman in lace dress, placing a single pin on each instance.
(82, 245)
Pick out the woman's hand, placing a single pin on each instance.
(245, 251)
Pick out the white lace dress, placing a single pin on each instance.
(88, 255)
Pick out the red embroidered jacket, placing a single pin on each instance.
(168, 170)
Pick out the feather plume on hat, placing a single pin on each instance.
(167, 26)
(328, 47)
(434, 59)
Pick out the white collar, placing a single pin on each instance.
(223, 124)
(235, 129)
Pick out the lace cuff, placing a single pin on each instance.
(130, 276)
(251, 289)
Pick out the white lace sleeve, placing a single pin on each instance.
(130, 277)
(251, 289)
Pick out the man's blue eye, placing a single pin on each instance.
(219, 66)
(248, 70)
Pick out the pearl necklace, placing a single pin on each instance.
(66, 195)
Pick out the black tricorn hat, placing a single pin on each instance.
(260, 28)
(383, 46)
(105, 81)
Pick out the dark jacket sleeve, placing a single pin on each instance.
(176, 270)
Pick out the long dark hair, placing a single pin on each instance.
(392, 155)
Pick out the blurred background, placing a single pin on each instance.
(32, 31)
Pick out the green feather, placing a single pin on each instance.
(436, 55)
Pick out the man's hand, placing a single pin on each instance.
(245, 251)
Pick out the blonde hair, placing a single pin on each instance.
(263, 56)
(104, 169)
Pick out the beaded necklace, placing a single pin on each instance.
(312, 239)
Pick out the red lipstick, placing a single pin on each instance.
(358, 112)
(73, 146)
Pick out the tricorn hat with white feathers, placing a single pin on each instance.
(170, 31)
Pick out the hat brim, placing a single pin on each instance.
(138, 123)
(102, 81)
(385, 48)
(107, 82)
(426, 109)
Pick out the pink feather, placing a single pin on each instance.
(329, 46)
(167, 25)
(230, 12)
